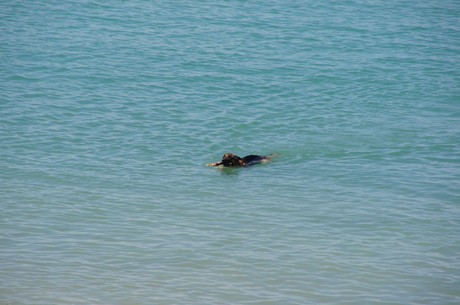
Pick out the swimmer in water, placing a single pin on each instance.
(231, 160)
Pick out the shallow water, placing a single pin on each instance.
(111, 110)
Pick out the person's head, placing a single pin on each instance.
(229, 160)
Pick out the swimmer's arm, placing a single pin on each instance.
(215, 164)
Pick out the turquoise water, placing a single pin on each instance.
(110, 111)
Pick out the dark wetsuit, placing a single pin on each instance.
(253, 159)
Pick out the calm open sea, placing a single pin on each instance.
(110, 111)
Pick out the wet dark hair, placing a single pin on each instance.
(229, 160)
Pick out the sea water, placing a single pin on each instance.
(110, 111)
